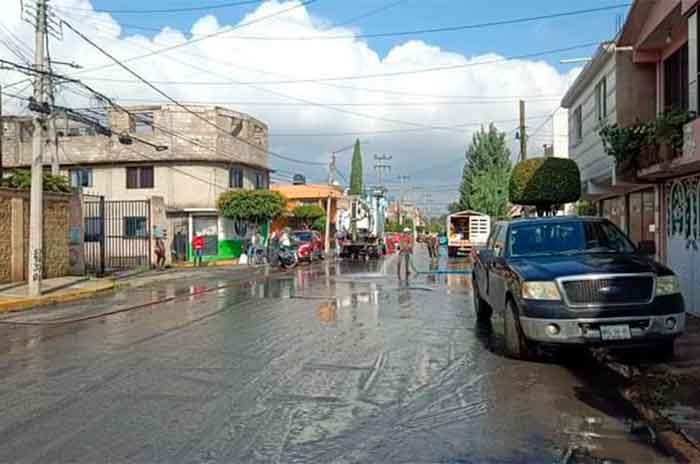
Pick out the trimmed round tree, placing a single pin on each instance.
(256, 206)
(545, 183)
(307, 214)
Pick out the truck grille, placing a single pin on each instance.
(612, 290)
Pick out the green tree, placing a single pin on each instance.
(319, 224)
(486, 173)
(21, 179)
(454, 207)
(307, 214)
(356, 170)
(256, 206)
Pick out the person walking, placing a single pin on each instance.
(198, 247)
(405, 253)
(428, 240)
(160, 254)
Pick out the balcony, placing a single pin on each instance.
(667, 163)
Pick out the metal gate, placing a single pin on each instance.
(117, 234)
(683, 215)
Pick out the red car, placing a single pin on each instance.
(309, 245)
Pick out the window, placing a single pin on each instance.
(141, 123)
(81, 177)
(135, 227)
(552, 238)
(73, 132)
(139, 177)
(676, 80)
(93, 229)
(236, 177)
(601, 100)
(260, 181)
(578, 125)
(499, 243)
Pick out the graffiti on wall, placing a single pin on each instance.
(683, 197)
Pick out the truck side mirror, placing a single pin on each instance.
(647, 248)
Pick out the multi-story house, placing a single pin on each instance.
(650, 69)
(185, 160)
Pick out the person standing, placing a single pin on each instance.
(160, 253)
(405, 252)
(428, 240)
(198, 247)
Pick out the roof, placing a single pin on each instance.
(467, 213)
(555, 219)
(602, 54)
(293, 192)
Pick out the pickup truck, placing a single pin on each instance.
(571, 280)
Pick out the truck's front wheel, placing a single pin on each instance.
(517, 346)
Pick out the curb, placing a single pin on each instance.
(19, 304)
(667, 434)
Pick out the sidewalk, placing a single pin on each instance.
(14, 297)
(666, 394)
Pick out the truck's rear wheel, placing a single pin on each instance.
(451, 251)
(517, 346)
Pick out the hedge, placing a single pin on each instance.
(545, 182)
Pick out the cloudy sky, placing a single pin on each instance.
(321, 73)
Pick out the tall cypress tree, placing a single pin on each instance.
(486, 173)
(356, 170)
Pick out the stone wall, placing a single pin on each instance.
(14, 235)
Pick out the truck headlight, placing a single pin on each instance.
(540, 291)
(667, 285)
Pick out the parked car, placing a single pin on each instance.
(575, 281)
(309, 245)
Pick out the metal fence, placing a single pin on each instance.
(117, 234)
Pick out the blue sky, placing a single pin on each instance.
(418, 14)
(425, 120)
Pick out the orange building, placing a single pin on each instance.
(306, 194)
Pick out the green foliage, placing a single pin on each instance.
(485, 175)
(319, 224)
(638, 146)
(395, 226)
(545, 183)
(257, 206)
(22, 179)
(454, 207)
(307, 214)
(356, 186)
(586, 208)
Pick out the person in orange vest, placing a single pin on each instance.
(198, 247)
(405, 252)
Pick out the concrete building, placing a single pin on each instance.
(651, 68)
(323, 196)
(200, 163)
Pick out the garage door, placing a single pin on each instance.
(683, 251)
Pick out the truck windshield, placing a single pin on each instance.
(567, 238)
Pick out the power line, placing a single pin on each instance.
(194, 40)
(193, 113)
(174, 10)
(329, 84)
(368, 13)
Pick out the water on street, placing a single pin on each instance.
(331, 363)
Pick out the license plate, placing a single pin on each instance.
(615, 332)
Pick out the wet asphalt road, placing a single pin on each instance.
(335, 363)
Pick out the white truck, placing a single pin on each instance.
(466, 230)
(363, 225)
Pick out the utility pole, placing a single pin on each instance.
(2, 134)
(403, 180)
(523, 135)
(381, 167)
(34, 274)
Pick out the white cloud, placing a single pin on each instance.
(224, 58)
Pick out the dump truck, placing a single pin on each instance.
(466, 230)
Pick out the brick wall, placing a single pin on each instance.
(56, 234)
